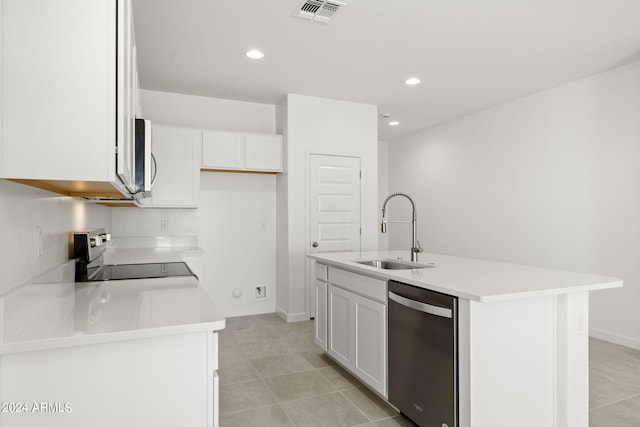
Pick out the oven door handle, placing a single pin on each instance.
(421, 306)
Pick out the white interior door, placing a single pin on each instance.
(334, 209)
(334, 199)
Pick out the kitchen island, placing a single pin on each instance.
(122, 352)
(522, 332)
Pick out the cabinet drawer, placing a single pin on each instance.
(363, 285)
(320, 272)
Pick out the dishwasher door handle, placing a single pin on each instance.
(421, 306)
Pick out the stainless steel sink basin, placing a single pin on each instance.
(388, 264)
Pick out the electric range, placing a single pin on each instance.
(89, 247)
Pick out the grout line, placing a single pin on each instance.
(614, 403)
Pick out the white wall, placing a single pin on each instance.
(235, 224)
(550, 180)
(23, 211)
(213, 113)
(318, 125)
(383, 188)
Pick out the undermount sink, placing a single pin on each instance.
(388, 264)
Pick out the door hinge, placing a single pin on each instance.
(361, 231)
(360, 174)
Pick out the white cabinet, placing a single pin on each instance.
(241, 152)
(370, 337)
(177, 154)
(320, 324)
(357, 326)
(340, 325)
(263, 152)
(68, 85)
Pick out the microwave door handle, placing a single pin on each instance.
(155, 170)
(420, 306)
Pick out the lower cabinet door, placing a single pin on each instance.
(320, 324)
(370, 358)
(340, 325)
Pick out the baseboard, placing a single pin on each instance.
(249, 311)
(615, 338)
(291, 317)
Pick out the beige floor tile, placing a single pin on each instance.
(368, 402)
(255, 321)
(337, 376)
(230, 353)
(280, 365)
(233, 371)
(317, 360)
(603, 352)
(252, 335)
(323, 411)
(269, 416)
(293, 328)
(243, 396)
(622, 414)
(299, 385)
(259, 349)
(301, 342)
(613, 381)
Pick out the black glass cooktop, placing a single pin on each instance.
(142, 271)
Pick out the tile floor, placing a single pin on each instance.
(614, 389)
(272, 375)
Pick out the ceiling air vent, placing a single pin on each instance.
(318, 10)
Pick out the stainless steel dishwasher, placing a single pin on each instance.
(423, 355)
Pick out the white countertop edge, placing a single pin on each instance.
(100, 338)
(349, 262)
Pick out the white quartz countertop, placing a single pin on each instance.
(53, 311)
(473, 279)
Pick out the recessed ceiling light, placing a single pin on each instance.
(394, 123)
(412, 81)
(254, 54)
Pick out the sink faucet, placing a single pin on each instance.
(415, 245)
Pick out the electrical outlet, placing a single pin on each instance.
(164, 225)
(260, 292)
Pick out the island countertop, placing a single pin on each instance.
(472, 279)
(54, 311)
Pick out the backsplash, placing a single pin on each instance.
(35, 226)
(136, 222)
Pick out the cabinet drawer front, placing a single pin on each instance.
(363, 285)
(321, 272)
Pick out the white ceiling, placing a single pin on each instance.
(470, 54)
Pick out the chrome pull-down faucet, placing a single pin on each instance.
(415, 245)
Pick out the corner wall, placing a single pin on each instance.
(319, 125)
(235, 223)
(550, 180)
(29, 214)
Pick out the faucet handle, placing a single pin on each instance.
(418, 248)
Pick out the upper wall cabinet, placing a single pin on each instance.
(241, 152)
(69, 94)
(177, 154)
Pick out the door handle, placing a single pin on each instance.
(421, 306)
(314, 244)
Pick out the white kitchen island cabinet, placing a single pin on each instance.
(357, 326)
(522, 333)
(117, 353)
(69, 95)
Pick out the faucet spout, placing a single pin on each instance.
(415, 245)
